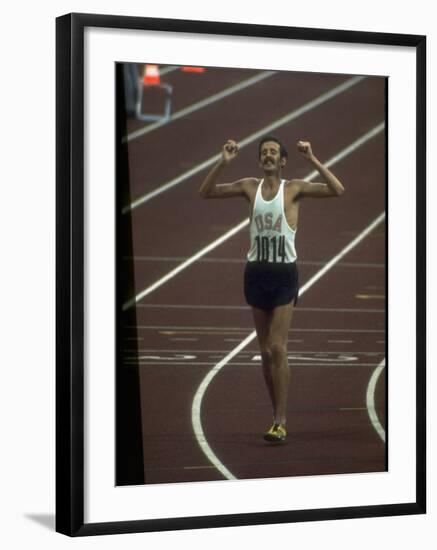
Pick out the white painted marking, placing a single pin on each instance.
(340, 341)
(339, 358)
(185, 264)
(186, 306)
(245, 308)
(197, 402)
(177, 357)
(250, 353)
(336, 158)
(211, 333)
(182, 258)
(352, 147)
(167, 70)
(200, 104)
(242, 261)
(370, 400)
(293, 115)
(345, 250)
(220, 330)
(132, 362)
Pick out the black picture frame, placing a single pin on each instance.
(70, 488)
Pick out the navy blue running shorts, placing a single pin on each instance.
(268, 285)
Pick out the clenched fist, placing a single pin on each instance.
(230, 150)
(304, 147)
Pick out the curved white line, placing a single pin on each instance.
(370, 400)
(197, 402)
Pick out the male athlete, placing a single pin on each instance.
(271, 277)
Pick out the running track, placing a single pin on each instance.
(195, 321)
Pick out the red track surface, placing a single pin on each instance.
(186, 326)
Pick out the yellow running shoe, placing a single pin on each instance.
(277, 433)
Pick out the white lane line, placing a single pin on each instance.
(242, 261)
(154, 362)
(352, 147)
(219, 330)
(167, 70)
(333, 160)
(339, 359)
(345, 250)
(184, 265)
(200, 104)
(165, 307)
(370, 400)
(248, 353)
(293, 115)
(197, 402)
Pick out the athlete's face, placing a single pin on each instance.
(270, 157)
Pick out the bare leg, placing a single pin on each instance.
(280, 372)
(272, 331)
(262, 320)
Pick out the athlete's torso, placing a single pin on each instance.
(272, 239)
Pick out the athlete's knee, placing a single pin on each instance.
(278, 351)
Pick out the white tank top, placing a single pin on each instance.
(271, 238)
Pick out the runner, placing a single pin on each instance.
(271, 283)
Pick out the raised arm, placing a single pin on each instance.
(210, 189)
(332, 188)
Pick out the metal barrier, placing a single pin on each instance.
(152, 79)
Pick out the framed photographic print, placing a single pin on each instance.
(259, 359)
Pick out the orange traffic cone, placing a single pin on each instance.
(151, 75)
(193, 69)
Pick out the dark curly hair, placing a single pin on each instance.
(283, 150)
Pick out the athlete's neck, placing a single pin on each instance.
(272, 180)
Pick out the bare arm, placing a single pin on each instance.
(332, 188)
(211, 189)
